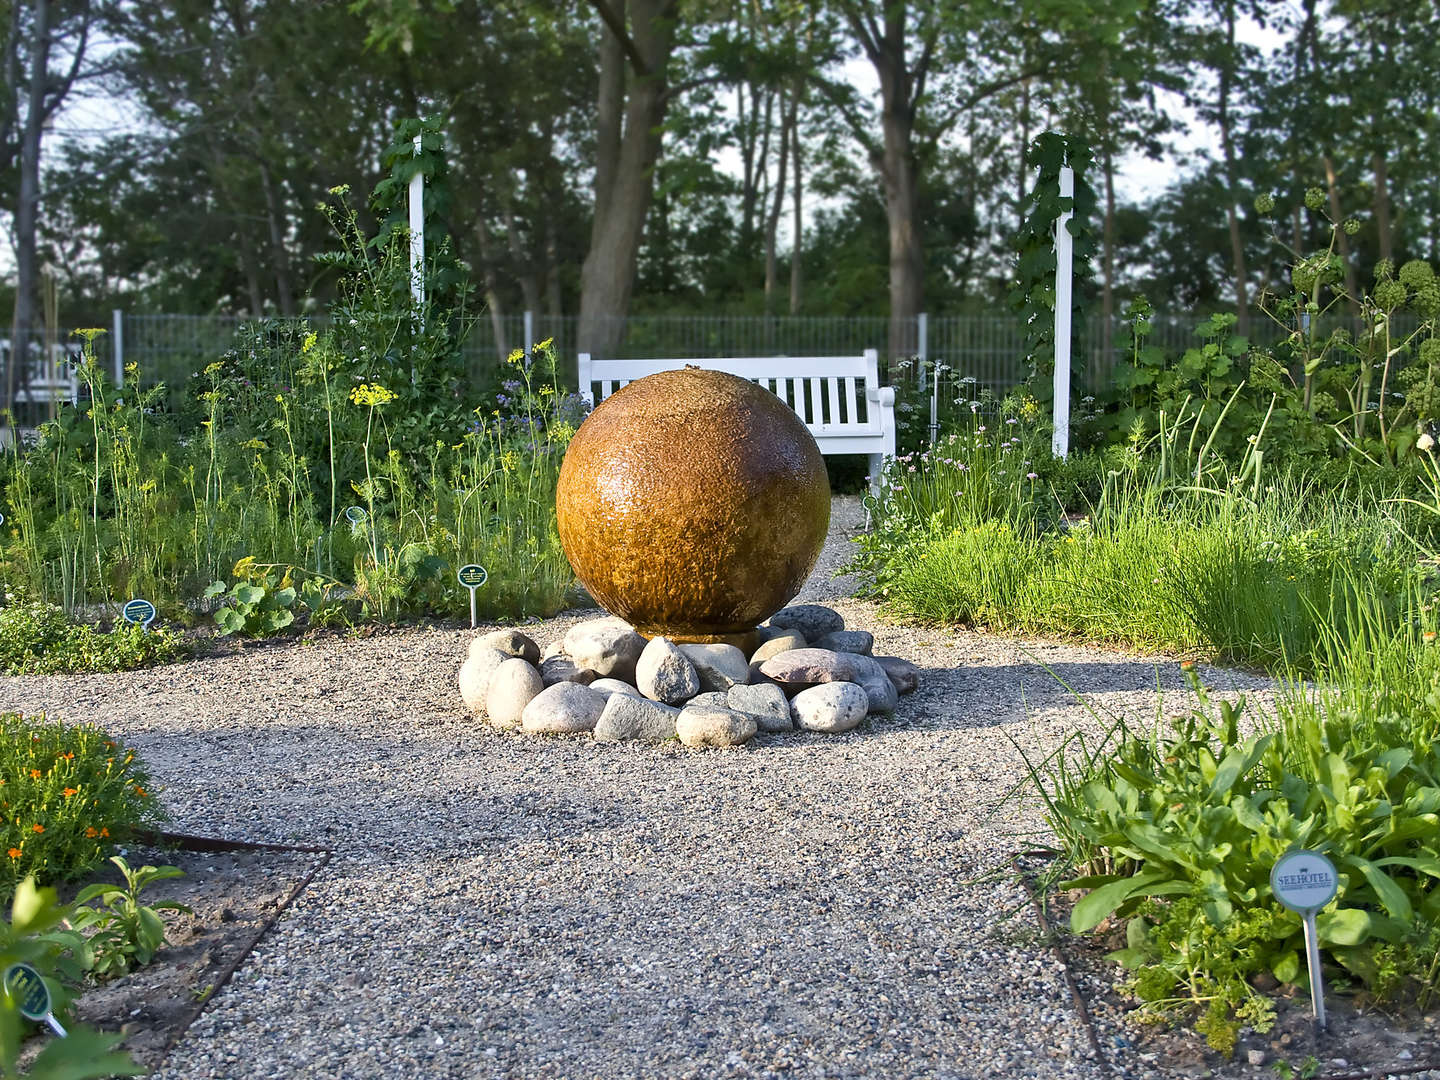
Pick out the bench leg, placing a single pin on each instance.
(877, 469)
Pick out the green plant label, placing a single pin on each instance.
(139, 611)
(31, 994)
(472, 575)
(355, 515)
(869, 503)
(1304, 881)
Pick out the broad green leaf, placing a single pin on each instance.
(1391, 895)
(1092, 908)
(1287, 967)
(248, 594)
(1343, 926)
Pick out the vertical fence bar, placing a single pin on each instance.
(117, 337)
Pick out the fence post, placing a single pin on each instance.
(117, 333)
(529, 334)
(1064, 257)
(417, 234)
(922, 334)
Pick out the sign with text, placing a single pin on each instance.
(32, 996)
(355, 515)
(1305, 881)
(139, 611)
(472, 576)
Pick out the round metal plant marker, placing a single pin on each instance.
(1304, 882)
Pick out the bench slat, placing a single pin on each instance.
(851, 416)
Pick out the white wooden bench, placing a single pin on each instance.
(839, 398)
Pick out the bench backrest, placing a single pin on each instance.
(828, 393)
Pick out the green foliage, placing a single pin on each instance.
(32, 936)
(124, 933)
(260, 602)
(68, 793)
(37, 639)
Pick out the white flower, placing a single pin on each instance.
(1424, 442)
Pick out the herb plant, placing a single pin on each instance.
(124, 932)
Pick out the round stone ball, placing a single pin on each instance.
(693, 504)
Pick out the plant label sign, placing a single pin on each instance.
(355, 515)
(32, 996)
(472, 576)
(869, 503)
(139, 611)
(1304, 882)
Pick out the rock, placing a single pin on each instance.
(558, 669)
(614, 686)
(851, 641)
(626, 717)
(759, 678)
(812, 620)
(513, 643)
(475, 675)
(800, 669)
(710, 699)
(832, 707)
(719, 666)
(765, 633)
(562, 709)
(904, 674)
(555, 648)
(664, 673)
(714, 727)
(608, 647)
(1255, 1057)
(513, 685)
(764, 703)
(782, 641)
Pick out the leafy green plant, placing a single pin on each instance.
(67, 794)
(124, 932)
(34, 936)
(38, 639)
(259, 604)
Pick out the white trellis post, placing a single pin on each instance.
(1064, 268)
(417, 234)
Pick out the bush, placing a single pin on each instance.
(68, 793)
(37, 639)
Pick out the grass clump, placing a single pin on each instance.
(39, 639)
(67, 794)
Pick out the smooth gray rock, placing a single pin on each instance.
(831, 707)
(664, 673)
(558, 669)
(513, 685)
(555, 648)
(562, 709)
(475, 672)
(719, 666)
(513, 643)
(710, 699)
(851, 641)
(904, 674)
(812, 620)
(801, 669)
(625, 718)
(714, 727)
(614, 686)
(782, 641)
(609, 647)
(763, 702)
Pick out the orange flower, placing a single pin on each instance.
(70, 791)
(37, 828)
(69, 755)
(1428, 635)
(141, 792)
(91, 833)
(1187, 665)
(105, 833)
(15, 853)
(35, 774)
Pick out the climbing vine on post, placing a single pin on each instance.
(1033, 292)
(389, 201)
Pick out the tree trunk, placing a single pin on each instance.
(797, 245)
(552, 270)
(279, 257)
(627, 161)
(27, 205)
(1232, 214)
(777, 203)
(907, 257)
(492, 290)
(525, 270)
(1107, 293)
(1382, 205)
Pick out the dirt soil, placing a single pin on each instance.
(234, 896)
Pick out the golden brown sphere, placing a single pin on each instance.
(693, 504)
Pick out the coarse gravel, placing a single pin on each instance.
(504, 905)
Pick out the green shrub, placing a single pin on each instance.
(67, 793)
(38, 639)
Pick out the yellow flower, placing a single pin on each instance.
(132, 368)
(89, 333)
(309, 342)
(371, 394)
(546, 343)
(516, 355)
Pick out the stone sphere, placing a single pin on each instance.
(693, 504)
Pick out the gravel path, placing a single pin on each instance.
(507, 906)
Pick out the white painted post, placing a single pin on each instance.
(1064, 268)
(417, 234)
(117, 323)
(529, 332)
(923, 333)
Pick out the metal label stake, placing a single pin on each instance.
(139, 611)
(1304, 882)
(472, 576)
(32, 996)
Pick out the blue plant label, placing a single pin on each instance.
(1304, 881)
(355, 514)
(472, 575)
(139, 611)
(2, 519)
(31, 994)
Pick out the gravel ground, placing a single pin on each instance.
(510, 906)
